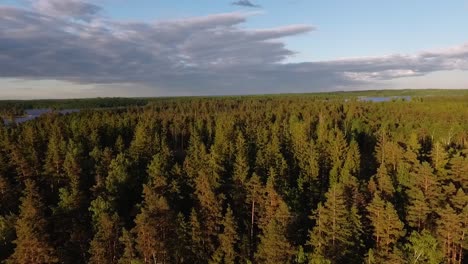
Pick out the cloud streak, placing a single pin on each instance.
(245, 3)
(201, 55)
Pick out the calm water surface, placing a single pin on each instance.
(35, 113)
(383, 98)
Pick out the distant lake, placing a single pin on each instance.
(35, 113)
(383, 98)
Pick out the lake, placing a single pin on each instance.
(35, 113)
(378, 99)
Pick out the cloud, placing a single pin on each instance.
(212, 54)
(245, 3)
(67, 8)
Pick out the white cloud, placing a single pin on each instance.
(67, 8)
(67, 40)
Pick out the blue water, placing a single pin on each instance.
(377, 99)
(35, 113)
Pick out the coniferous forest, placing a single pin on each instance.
(260, 179)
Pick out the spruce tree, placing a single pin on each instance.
(32, 237)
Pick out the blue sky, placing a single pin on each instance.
(138, 48)
(345, 28)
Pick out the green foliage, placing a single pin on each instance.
(235, 179)
(424, 248)
(226, 252)
(32, 237)
(274, 246)
(337, 227)
(105, 246)
(154, 220)
(7, 234)
(388, 228)
(118, 177)
(301, 256)
(129, 253)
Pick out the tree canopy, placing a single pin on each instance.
(258, 179)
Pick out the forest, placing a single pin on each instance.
(257, 179)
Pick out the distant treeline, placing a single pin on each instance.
(118, 101)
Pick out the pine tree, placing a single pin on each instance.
(459, 171)
(226, 251)
(102, 160)
(425, 180)
(181, 243)
(241, 165)
(121, 189)
(152, 223)
(7, 235)
(210, 209)
(394, 155)
(151, 237)
(459, 200)
(25, 161)
(119, 144)
(105, 246)
(316, 258)
(338, 149)
(423, 248)
(129, 253)
(70, 221)
(413, 144)
(336, 233)
(274, 246)
(387, 226)
(117, 180)
(380, 149)
(196, 155)
(317, 236)
(198, 241)
(240, 177)
(55, 157)
(304, 152)
(271, 201)
(418, 209)
(301, 256)
(32, 242)
(253, 200)
(307, 181)
(8, 194)
(384, 183)
(439, 158)
(71, 196)
(351, 167)
(142, 146)
(451, 231)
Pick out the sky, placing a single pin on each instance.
(108, 48)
